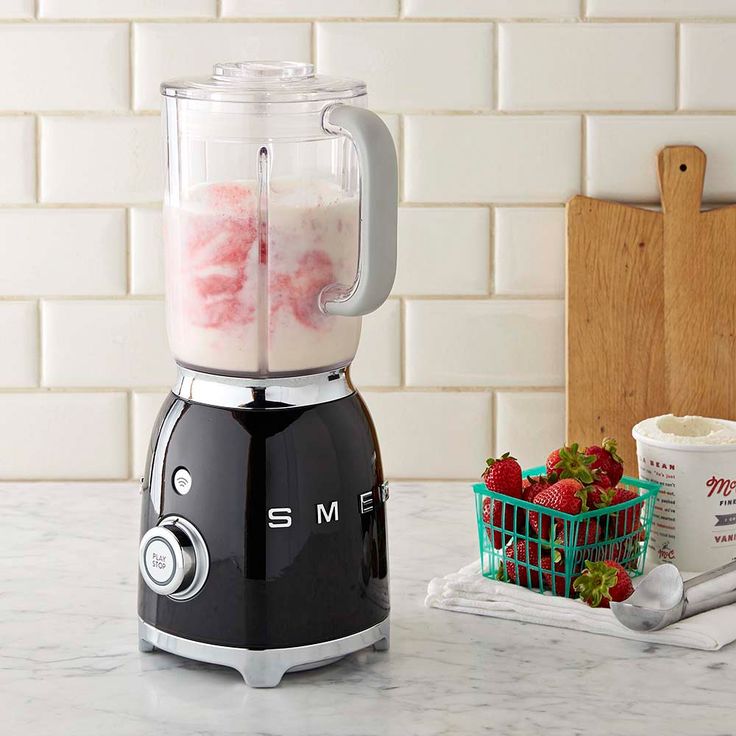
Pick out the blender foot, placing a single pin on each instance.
(262, 676)
(145, 646)
(382, 645)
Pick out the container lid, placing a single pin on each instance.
(264, 81)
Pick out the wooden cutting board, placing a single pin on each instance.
(651, 307)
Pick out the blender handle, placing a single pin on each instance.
(378, 211)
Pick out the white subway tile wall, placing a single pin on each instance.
(491, 158)
(413, 66)
(547, 409)
(168, 50)
(19, 330)
(529, 251)
(17, 9)
(311, 9)
(71, 252)
(48, 66)
(100, 159)
(17, 159)
(708, 57)
(556, 66)
(500, 110)
(86, 9)
(105, 343)
(145, 410)
(146, 251)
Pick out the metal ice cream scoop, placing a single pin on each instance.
(662, 598)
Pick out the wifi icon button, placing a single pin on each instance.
(182, 481)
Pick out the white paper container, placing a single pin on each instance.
(694, 524)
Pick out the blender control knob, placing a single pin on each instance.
(167, 559)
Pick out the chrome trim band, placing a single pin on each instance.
(201, 556)
(282, 392)
(264, 668)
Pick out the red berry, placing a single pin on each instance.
(624, 522)
(569, 462)
(599, 496)
(501, 520)
(566, 496)
(503, 475)
(532, 487)
(603, 582)
(554, 581)
(587, 533)
(607, 465)
(520, 564)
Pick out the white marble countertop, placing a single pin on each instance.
(69, 662)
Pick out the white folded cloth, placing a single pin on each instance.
(468, 591)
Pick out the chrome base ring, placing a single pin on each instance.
(264, 668)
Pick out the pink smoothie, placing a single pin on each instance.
(243, 285)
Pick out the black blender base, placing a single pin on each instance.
(283, 515)
(265, 668)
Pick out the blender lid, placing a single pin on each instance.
(264, 81)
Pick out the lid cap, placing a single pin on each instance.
(264, 81)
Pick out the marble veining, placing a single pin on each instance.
(69, 662)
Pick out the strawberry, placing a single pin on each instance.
(587, 533)
(624, 522)
(565, 495)
(625, 552)
(523, 551)
(529, 552)
(599, 496)
(569, 462)
(532, 487)
(494, 515)
(559, 574)
(503, 475)
(607, 463)
(487, 515)
(603, 582)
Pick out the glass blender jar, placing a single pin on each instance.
(279, 219)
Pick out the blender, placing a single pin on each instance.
(263, 526)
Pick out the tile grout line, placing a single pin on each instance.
(158, 298)
(29, 480)
(130, 469)
(489, 113)
(402, 343)
(364, 388)
(37, 146)
(678, 69)
(401, 155)
(131, 64)
(492, 251)
(417, 20)
(496, 72)
(494, 420)
(584, 154)
(40, 350)
(128, 253)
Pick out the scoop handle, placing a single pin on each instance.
(712, 589)
(378, 211)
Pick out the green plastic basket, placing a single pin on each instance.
(552, 564)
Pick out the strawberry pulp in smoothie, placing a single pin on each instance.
(244, 278)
